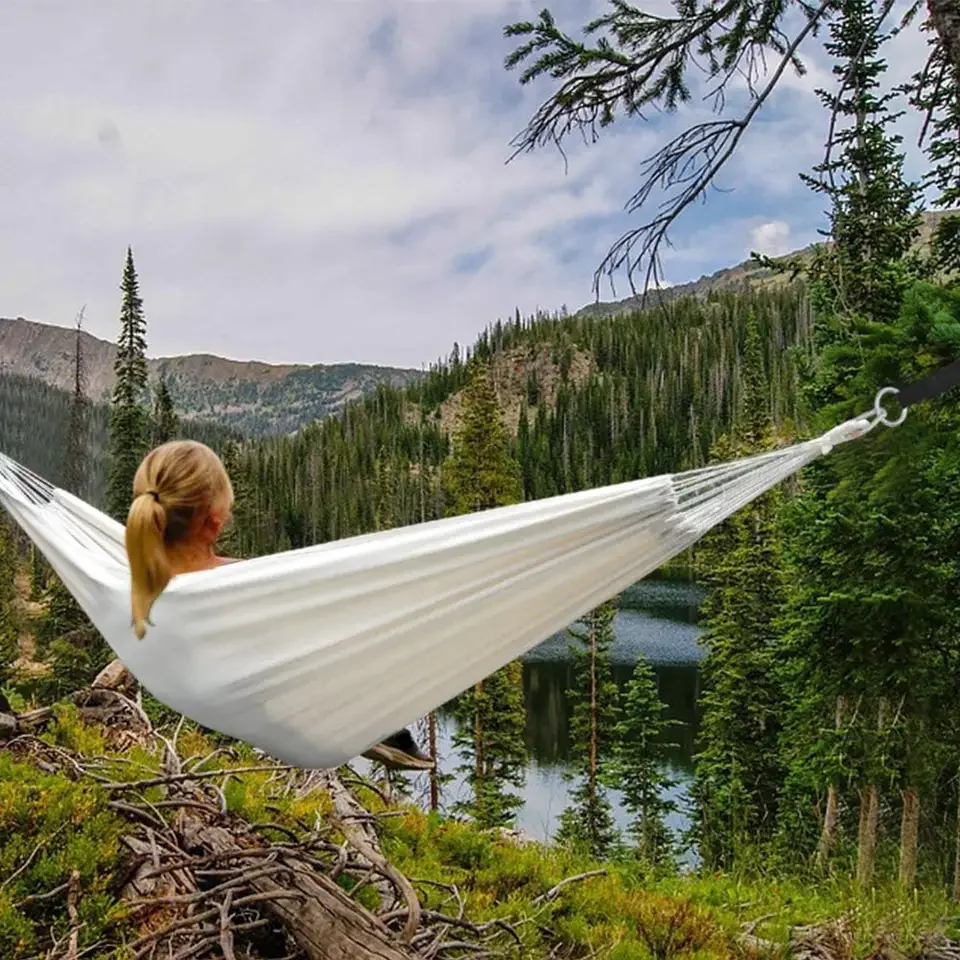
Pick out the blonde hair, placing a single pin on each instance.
(174, 483)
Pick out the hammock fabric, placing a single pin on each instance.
(315, 655)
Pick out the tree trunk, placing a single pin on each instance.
(478, 733)
(909, 831)
(592, 802)
(945, 17)
(869, 814)
(324, 921)
(829, 832)
(956, 858)
(432, 747)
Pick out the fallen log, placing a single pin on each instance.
(325, 923)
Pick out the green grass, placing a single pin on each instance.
(51, 825)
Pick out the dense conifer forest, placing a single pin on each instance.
(825, 805)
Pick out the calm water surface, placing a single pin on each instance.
(657, 621)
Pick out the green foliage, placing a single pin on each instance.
(491, 721)
(35, 430)
(50, 827)
(594, 699)
(873, 575)
(650, 392)
(165, 422)
(738, 766)
(873, 215)
(9, 619)
(129, 422)
(480, 474)
(638, 771)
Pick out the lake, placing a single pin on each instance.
(657, 620)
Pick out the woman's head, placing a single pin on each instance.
(182, 497)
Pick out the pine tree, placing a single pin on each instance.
(631, 61)
(481, 474)
(75, 454)
(639, 768)
(839, 536)
(738, 768)
(588, 822)
(129, 423)
(9, 618)
(492, 718)
(873, 214)
(165, 423)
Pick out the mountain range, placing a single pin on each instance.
(750, 274)
(257, 398)
(262, 399)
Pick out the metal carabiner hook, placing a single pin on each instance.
(880, 412)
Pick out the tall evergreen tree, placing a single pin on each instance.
(632, 61)
(9, 619)
(75, 454)
(65, 632)
(481, 474)
(737, 764)
(165, 423)
(129, 422)
(873, 214)
(838, 535)
(638, 771)
(588, 822)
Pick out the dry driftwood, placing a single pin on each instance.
(324, 921)
(202, 883)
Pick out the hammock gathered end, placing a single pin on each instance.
(317, 654)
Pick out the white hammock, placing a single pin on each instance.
(315, 655)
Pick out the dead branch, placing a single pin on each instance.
(554, 891)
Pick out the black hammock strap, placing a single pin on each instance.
(940, 381)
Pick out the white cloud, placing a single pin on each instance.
(772, 238)
(330, 184)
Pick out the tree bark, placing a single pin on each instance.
(432, 748)
(324, 921)
(869, 815)
(362, 836)
(592, 775)
(956, 859)
(909, 831)
(478, 733)
(829, 832)
(945, 17)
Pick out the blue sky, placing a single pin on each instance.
(321, 182)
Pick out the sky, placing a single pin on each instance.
(322, 182)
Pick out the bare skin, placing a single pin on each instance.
(197, 551)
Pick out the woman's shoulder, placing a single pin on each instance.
(223, 560)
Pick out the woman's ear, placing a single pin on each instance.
(214, 522)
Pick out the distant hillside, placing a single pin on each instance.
(258, 398)
(34, 419)
(748, 275)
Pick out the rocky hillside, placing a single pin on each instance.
(746, 275)
(258, 398)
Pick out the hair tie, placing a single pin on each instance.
(154, 494)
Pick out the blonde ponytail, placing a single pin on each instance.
(173, 482)
(147, 554)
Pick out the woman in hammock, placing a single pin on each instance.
(182, 499)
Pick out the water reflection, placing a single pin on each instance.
(657, 620)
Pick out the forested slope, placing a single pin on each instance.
(34, 423)
(591, 401)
